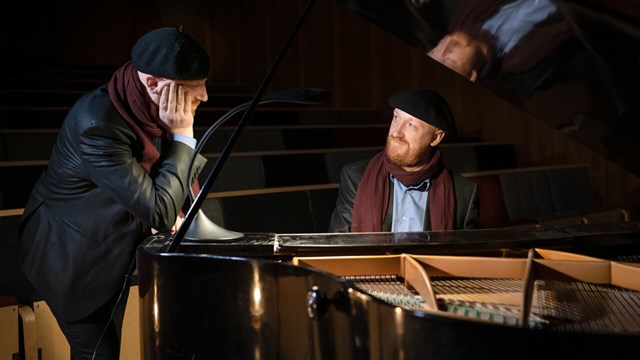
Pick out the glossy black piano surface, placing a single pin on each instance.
(215, 300)
(600, 240)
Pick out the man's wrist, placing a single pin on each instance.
(186, 139)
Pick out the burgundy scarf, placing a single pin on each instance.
(372, 197)
(130, 98)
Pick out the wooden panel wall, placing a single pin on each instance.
(336, 49)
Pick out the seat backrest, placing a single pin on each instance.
(526, 194)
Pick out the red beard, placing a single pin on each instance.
(401, 153)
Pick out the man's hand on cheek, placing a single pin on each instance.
(176, 110)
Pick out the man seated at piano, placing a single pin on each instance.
(406, 187)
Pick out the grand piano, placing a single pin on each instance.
(563, 291)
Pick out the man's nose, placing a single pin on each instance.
(202, 94)
(396, 131)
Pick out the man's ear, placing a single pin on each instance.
(473, 76)
(151, 82)
(439, 136)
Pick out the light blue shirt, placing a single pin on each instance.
(185, 139)
(515, 20)
(409, 206)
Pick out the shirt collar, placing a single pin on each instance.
(423, 186)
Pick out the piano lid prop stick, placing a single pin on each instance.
(206, 186)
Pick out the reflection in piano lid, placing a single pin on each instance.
(573, 65)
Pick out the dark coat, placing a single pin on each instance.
(78, 233)
(466, 214)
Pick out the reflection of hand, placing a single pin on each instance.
(174, 228)
(175, 110)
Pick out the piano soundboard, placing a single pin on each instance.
(552, 290)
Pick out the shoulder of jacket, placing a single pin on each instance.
(95, 109)
(357, 166)
(461, 181)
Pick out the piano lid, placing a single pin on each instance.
(573, 64)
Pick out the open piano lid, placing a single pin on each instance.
(572, 64)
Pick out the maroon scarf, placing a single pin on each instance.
(129, 96)
(372, 197)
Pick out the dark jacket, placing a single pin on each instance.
(79, 231)
(466, 214)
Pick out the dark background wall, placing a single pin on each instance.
(336, 49)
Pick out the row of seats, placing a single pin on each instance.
(36, 144)
(282, 147)
(523, 196)
(540, 195)
(293, 209)
(62, 97)
(276, 168)
(51, 117)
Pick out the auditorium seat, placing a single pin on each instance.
(238, 172)
(12, 280)
(492, 211)
(28, 333)
(607, 215)
(30, 117)
(18, 338)
(16, 182)
(131, 343)
(51, 341)
(299, 209)
(478, 156)
(9, 328)
(15, 288)
(574, 217)
(52, 344)
(547, 195)
(26, 144)
(336, 160)
(526, 194)
(570, 188)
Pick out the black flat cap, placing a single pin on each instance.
(170, 53)
(426, 105)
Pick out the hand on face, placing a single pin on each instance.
(176, 109)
